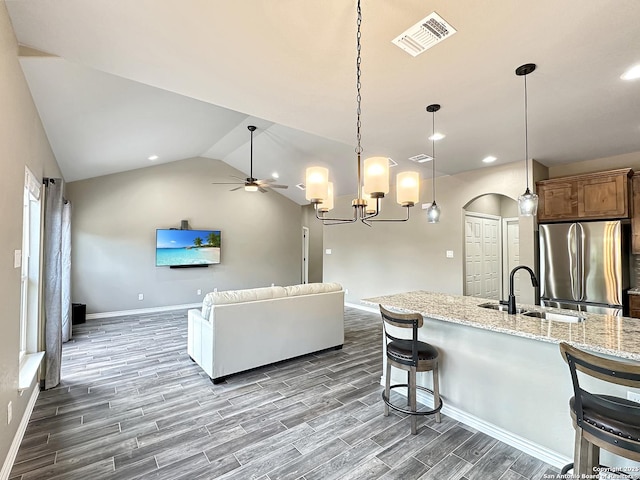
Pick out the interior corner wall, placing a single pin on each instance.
(22, 143)
(398, 257)
(315, 227)
(114, 224)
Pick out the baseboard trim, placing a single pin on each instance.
(17, 439)
(527, 446)
(120, 313)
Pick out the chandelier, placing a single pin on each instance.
(373, 183)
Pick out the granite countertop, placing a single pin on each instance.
(634, 291)
(616, 336)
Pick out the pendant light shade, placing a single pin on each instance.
(433, 212)
(407, 188)
(527, 202)
(327, 203)
(317, 183)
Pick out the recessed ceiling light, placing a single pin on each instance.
(437, 136)
(632, 74)
(275, 175)
(153, 157)
(489, 159)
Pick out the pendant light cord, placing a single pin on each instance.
(251, 157)
(433, 154)
(526, 134)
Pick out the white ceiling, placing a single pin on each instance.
(127, 79)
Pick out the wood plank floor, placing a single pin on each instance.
(133, 405)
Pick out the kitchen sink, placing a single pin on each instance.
(500, 307)
(556, 317)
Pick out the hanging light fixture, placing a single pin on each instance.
(433, 212)
(527, 202)
(372, 186)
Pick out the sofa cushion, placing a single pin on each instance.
(237, 296)
(309, 288)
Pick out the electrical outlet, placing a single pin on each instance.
(9, 413)
(633, 396)
(215, 289)
(199, 292)
(449, 253)
(140, 296)
(346, 291)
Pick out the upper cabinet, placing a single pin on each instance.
(593, 196)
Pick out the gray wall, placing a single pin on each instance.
(113, 235)
(310, 221)
(22, 142)
(395, 257)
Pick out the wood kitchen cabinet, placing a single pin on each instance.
(592, 196)
(634, 306)
(635, 215)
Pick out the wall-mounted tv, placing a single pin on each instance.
(187, 248)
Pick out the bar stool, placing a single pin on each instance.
(601, 421)
(412, 356)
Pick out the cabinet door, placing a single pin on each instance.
(635, 217)
(605, 196)
(557, 200)
(634, 306)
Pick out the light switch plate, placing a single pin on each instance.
(328, 251)
(17, 258)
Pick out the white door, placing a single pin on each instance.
(511, 254)
(473, 255)
(483, 256)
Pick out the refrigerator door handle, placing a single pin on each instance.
(574, 273)
(580, 252)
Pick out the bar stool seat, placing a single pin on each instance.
(412, 356)
(601, 421)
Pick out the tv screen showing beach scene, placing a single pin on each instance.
(178, 248)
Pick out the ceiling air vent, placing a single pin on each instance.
(424, 35)
(421, 158)
(301, 186)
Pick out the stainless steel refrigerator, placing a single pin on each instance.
(584, 266)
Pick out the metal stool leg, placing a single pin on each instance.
(387, 388)
(436, 392)
(411, 394)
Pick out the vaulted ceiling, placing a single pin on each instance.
(118, 81)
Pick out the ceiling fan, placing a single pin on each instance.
(250, 183)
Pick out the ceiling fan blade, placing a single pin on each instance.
(239, 178)
(261, 190)
(237, 188)
(267, 180)
(278, 186)
(227, 183)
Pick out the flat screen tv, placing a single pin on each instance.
(187, 248)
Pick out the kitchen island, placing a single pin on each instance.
(503, 374)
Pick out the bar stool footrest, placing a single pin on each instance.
(409, 412)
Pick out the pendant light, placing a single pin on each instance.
(527, 202)
(373, 175)
(433, 212)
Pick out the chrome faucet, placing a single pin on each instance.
(511, 302)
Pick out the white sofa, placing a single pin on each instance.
(239, 330)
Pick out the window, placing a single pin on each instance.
(30, 274)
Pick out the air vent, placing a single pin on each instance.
(421, 158)
(301, 186)
(424, 35)
(392, 163)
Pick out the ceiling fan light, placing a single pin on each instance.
(317, 182)
(528, 204)
(251, 188)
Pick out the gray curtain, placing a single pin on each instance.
(56, 283)
(66, 271)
